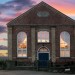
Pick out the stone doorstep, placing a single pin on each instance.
(25, 66)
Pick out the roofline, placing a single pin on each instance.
(48, 6)
(43, 25)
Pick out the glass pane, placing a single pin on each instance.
(19, 51)
(19, 54)
(24, 53)
(62, 54)
(22, 40)
(65, 40)
(67, 53)
(43, 36)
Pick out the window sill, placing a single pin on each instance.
(64, 57)
(43, 42)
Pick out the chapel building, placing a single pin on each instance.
(41, 33)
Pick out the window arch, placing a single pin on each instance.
(21, 44)
(64, 44)
(43, 49)
(43, 36)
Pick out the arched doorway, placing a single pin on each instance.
(43, 56)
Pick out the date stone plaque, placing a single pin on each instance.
(43, 14)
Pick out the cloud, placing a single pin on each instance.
(12, 9)
(16, 5)
(4, 7)
(0, 13)
(21, 2)
(6, 19)
(72, 16)
(2, 47)
(70, 1)
(3, 29)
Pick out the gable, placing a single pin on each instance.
(42, 14)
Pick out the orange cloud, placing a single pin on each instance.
(66, 10)
(65, 6)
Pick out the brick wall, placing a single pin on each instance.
(59, 29)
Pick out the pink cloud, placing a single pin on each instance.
(3, 23)
(4, 19)
(21, 11)
(64, 6)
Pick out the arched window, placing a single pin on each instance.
(22, 44)
(64, 44)
(43, 36)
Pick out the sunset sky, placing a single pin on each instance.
(9, 9)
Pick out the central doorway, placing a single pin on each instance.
(43, 57)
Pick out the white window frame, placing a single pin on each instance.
(43, 40)
(20, 49)
(66, 51)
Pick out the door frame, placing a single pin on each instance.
(48, 51)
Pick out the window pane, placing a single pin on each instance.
(24, 53)
(65, 44)
(64, 40)
(22, 40)
(19, 53)
(62, 53)
(21, 43)
(67, 53)
(43, 36)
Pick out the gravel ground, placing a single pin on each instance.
(25, 72)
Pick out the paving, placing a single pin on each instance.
(26, 72)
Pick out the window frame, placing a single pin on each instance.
(18, 49)
(48, 37)
(65, 50)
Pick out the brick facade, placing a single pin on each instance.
(30, 23)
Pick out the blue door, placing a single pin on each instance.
(43, 59)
